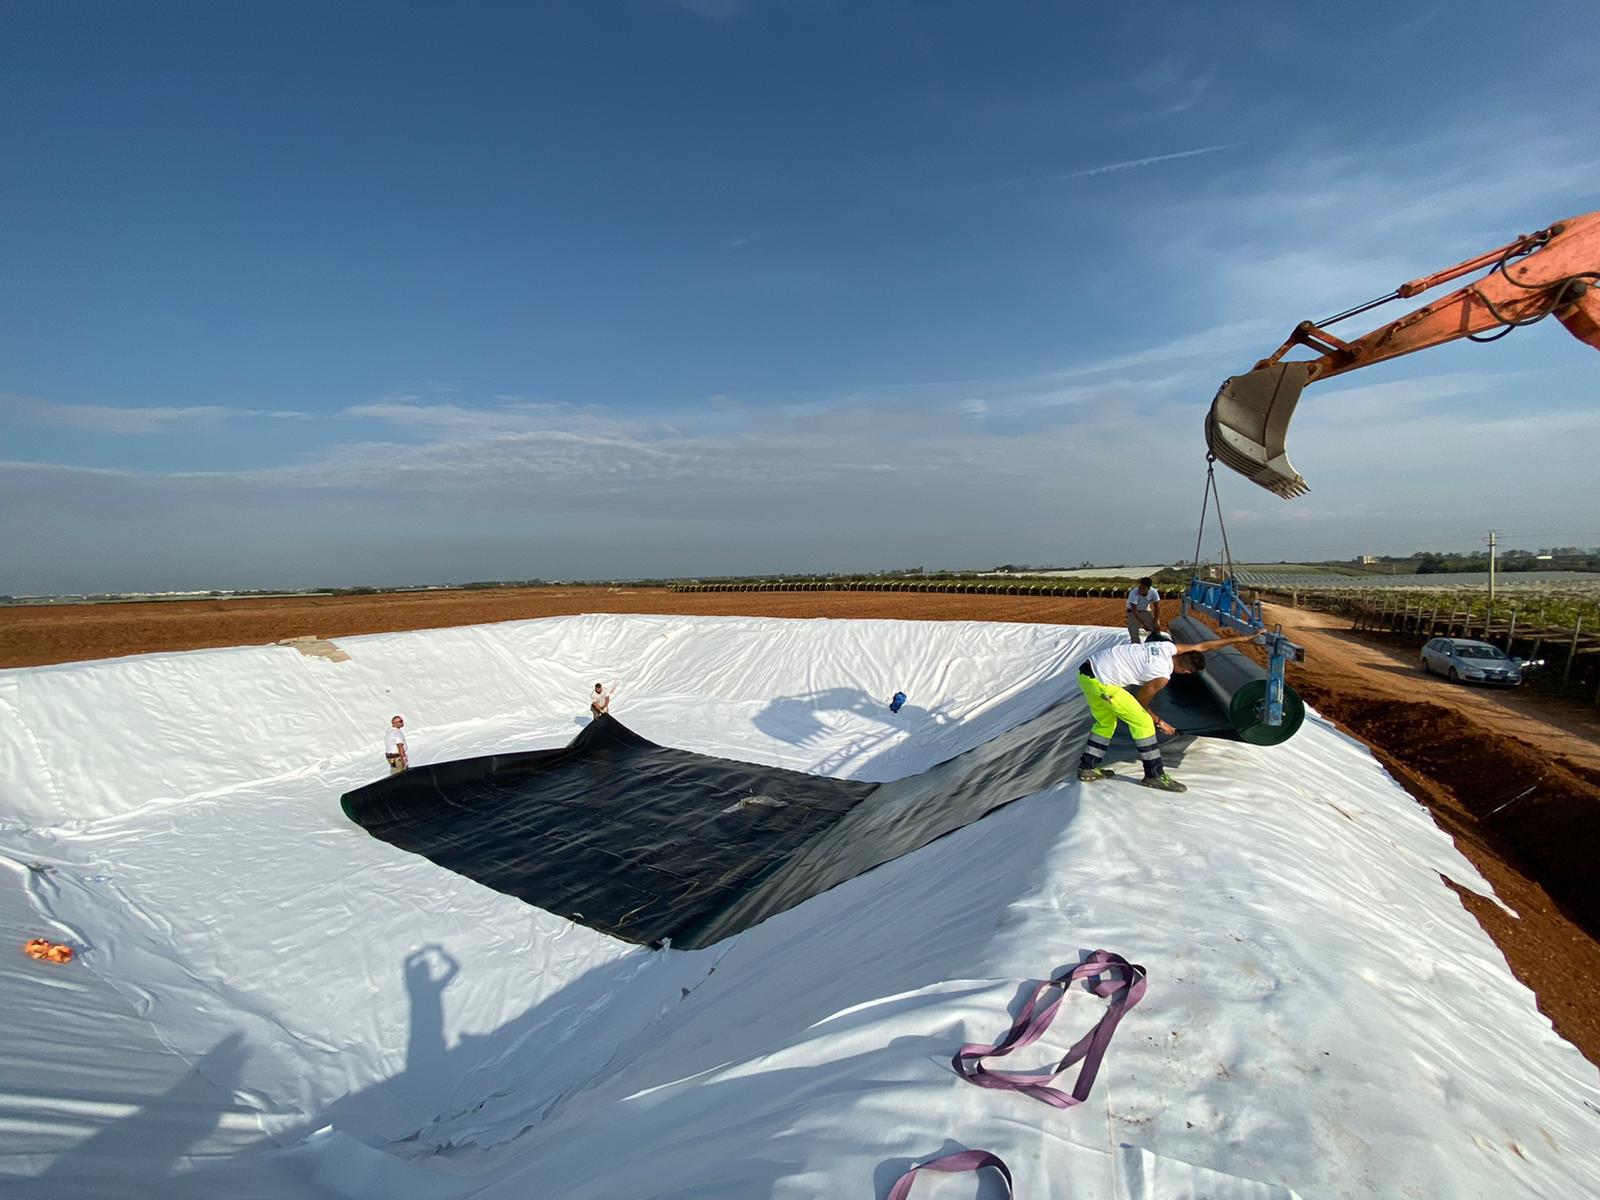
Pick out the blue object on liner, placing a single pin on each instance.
(899, 699)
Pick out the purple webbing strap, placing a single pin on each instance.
(1114, 978)
(962, 1160)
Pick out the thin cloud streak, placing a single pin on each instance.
(991, 185)
(110, 419)
(1132, 163)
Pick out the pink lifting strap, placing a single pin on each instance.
(1114, 978)
(962, 1160)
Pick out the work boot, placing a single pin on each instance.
(1164, 782)
(1090, 774)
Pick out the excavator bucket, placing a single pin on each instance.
(1249, 421)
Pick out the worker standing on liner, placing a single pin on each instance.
(599, 701)
(395, 752)
(1105, 678)
(1144, 610)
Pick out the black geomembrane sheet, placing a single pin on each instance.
(646, 843)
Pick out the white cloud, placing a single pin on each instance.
(1381, 401)
(110, 419)
(433, 419)
(713, 10)
(1189, 94)
(1424, 17)
(868, 484)
(1305, 234)
(1163, 73)
(1222, 339)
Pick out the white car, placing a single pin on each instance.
(1476, 662)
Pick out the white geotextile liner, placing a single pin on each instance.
(1323, 1017)
(100, 739)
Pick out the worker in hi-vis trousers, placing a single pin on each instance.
(1105, 679)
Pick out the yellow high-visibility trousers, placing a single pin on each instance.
(1110, 704)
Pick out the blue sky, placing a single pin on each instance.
(295, 295)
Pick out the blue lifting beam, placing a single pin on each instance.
(1223, 604)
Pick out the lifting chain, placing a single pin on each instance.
(1207, 495)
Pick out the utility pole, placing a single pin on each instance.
(1490, 616)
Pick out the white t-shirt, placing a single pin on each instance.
(393, 740)
(600, 700)
(1142, 602)
(1129, 666)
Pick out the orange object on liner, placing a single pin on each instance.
(46, 951)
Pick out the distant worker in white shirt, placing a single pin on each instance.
(394, 746)
(1105, 679)
(1144, 610)
(600, 702)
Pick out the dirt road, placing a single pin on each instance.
(1345, 661)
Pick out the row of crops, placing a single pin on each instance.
(1556, 599)
(1448, 581)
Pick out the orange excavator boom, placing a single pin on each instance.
(1554, 272)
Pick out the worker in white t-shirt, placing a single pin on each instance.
(1144, 610)
(394, 745)
(599, 701)
(1105, 679)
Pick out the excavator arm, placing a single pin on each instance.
(1555, 272)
